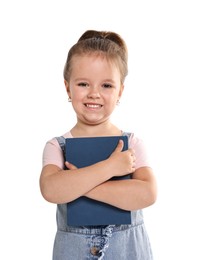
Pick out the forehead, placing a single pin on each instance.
(92, 56)
(93, 59)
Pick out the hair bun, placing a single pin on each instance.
(112, 36)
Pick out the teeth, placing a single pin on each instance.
(93, 106)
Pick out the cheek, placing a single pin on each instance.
(77, 95)
(112, 98)
(112, 101)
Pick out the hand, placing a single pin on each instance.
(70, 166)
(122, 163)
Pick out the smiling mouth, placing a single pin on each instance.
(93, 105)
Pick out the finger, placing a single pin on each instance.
(119, 146)
(133, 157)
(70, 166)
(133, 170)
(132, 152)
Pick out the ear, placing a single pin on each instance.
(121, 90)
(67, 88)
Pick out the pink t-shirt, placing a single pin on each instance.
(53, 154)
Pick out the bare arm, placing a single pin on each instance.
(132, 194)
(62, 186)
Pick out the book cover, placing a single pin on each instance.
(85, 151)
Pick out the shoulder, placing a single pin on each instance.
(133, 139)
(53, 141)
(52, 153)
(136, 143)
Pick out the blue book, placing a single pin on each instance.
(85, 151)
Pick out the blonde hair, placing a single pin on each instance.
(105, 43)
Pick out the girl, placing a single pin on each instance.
(94, 76)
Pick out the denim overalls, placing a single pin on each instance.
(113, 242)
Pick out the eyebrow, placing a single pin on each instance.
(86, 79)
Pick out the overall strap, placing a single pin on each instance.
(127, 133)
(62, 142)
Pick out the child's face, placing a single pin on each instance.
(94, 88)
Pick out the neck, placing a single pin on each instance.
(104, 129)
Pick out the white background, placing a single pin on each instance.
(162, 104)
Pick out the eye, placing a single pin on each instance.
(106, 85)
(83, 84)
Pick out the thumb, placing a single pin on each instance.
(119, 146)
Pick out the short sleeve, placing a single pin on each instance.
(52, 154)
(138, 146)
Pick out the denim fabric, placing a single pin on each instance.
(123, 242)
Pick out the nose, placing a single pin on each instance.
(93, 93)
